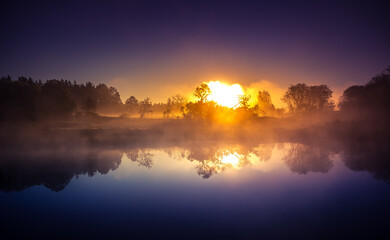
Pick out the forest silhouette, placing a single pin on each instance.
(26, 99)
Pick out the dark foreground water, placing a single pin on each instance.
(199, 191)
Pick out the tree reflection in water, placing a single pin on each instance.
(264, 151)
(141, 156)
(55, 167)
(222, 158)
(302, 159)
(374, 158)
(214, 158)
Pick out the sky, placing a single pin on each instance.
(159, 48)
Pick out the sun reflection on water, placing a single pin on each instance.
(206, 160)
(232, 159)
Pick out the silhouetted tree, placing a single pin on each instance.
(301, 98)
(168, 108)
(19, 99)
(145, 107)
(56, 100)
(107, 98)
(202, 92)
(295, 97)
(178, 100)
(264, 103)
(243, 101)
(200, 110)
(371, 100)
(89, 105)
(131, 104)
(26, 99)
(319, 98)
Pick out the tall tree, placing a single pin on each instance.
(168, 108)
(319, 98)
(89, 105)
(202, 92)
(178, 101)
(243, 101)
(301, 98)
(371, 100)
(131, 104)
(144, 107)
(55, 99)
(264, 104)
(295, 97)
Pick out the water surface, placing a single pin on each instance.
(196, 190)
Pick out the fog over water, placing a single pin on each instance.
(52, 155)
(148, 178)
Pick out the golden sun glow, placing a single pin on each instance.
(225, 95)
(231, 159)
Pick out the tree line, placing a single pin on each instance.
(369, 101)
(28, 99)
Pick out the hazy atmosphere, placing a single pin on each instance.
(194, 120)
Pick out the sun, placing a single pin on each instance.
(225, 95)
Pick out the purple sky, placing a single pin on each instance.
(159, 48)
